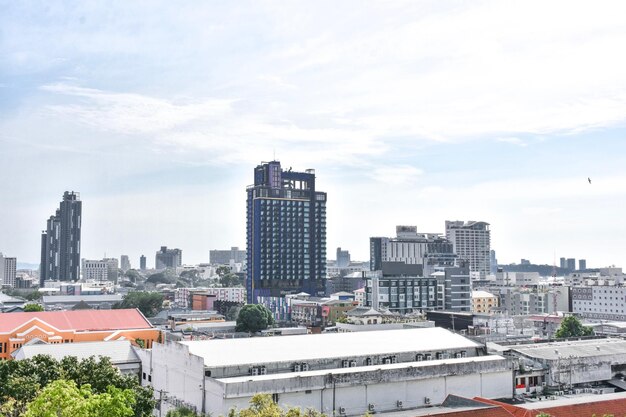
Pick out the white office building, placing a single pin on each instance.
(8, 268)
(336, 373)
(472, 242)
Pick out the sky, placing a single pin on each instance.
(410, 112)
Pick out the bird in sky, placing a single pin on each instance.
(589, 179)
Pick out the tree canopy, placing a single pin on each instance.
(65, 398)
(572, 327)
(23, 381)
(253, 318)
(261, 405)
(33, 307)
(149, 303)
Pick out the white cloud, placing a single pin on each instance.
(513, 141)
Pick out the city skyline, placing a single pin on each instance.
(421, 112)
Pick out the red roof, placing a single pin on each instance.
(615, 407)
(79, 320)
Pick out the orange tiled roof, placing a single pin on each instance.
(80, 320)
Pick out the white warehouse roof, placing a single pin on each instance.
(573, 349)
(229, 352)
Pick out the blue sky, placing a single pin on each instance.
(411, 113)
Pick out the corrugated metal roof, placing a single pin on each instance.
(119, 351)
(326, 345)
(99, 298)
(575, 348)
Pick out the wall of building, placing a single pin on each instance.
(382, 389)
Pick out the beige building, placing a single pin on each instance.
(483, 301)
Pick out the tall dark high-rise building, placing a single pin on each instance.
(60, 242)
(142, 263)
(582, 264)
(286, 233)
(343, 258)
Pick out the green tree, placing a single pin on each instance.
(33, 307)
(572, 327)
(63, 398)
(261, 405)
(149, 303)
(182, 412)
(21, 381)
(253, 318)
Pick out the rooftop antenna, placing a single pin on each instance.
(274, 154)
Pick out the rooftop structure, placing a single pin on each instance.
(16, 329)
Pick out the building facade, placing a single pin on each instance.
(60, 242)
(168, 258)
(601, 302)
(95, 270)
(8, 269)
(411, 247)
(124, 263)
(286, 233)
(225, 257)
(142, 262)
(483, 301)
(472, 243)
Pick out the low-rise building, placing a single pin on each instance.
(483, 301)
(335, 373)
(16, 329)
(96, 301)
(602, 302)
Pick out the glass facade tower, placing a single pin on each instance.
(286, 233)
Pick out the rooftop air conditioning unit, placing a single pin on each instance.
(426, 400)
(370, 407)
(352, 364)
(399, 404)
(305, 366)
(342, 410)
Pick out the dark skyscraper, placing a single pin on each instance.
(60, 242)
(286, 233)
(142, 262)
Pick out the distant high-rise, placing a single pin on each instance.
(571, 264)
(224, 257)
(60, 242)
(142, 262)
(563, 263)
(286, 233)
(168, 258)
(124, 263)
(343, 258)
(7, 271)
(582, 264)
(426, 249)
(494, 261)
(472, 242)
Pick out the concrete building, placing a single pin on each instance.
(563, 263)
(337, 374)
(472, 243)
(96, 270)
(232, 294)
(400, 288)
(582, 264)
(457, 287)
(8, 268)
(411, 247)
(483, 301)
(168, 258)
(517, 278)
(286, 234)
(60, 242)
(343, 258)
(226, 257)
(600, 302)
(142, 263)
(124, 263)
(570, 364)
